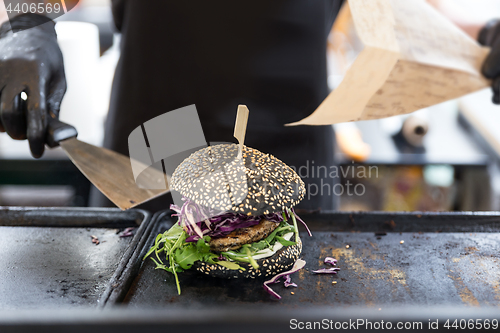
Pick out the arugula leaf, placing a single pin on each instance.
(270, 238)
(178, 243)
(186, 256)
(236, 256)
(284, 242)
(203, 245)
(181, 255)
(209, 258)
(173, 233)
(254, 264)
(230, 265)
(260, 245)
(151, 250)
(158, 265)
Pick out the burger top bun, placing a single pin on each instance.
(255, 184)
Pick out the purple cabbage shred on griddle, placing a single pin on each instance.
(331, 261)
(331, 270)
(288, 282)
(127, 232)
(299, 264)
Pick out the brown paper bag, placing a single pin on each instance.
(413, 57)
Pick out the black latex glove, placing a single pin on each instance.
(490, 36)
(30, 61)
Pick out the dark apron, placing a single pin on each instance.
(269, 55)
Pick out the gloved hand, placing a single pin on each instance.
(30, 61)
(490, 36)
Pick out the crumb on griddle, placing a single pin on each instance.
(95, 240)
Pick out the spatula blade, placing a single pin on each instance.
(111, 173)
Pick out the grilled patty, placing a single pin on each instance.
(242, 236)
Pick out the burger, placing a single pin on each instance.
(236, 219)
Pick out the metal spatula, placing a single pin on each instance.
(109, 171)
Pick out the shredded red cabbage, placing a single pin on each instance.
(331, 270)
(199, 221)
(331, 261)
(127, 232)
(288, 282)
(190, 215)
(305, 225)
(299, 264)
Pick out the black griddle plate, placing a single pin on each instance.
(448, 259)
(446, 270)
(48, 259)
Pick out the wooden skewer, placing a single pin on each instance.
(240, 127)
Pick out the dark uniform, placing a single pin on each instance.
(269, 55)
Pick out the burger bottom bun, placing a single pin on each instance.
(281, 261)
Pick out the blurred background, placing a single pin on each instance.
(443, 158)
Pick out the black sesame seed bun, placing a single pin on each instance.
(262, 184)
(281, 261)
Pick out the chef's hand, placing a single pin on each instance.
(490, 36)
(31, 62)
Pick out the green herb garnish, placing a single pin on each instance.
(179, 255)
